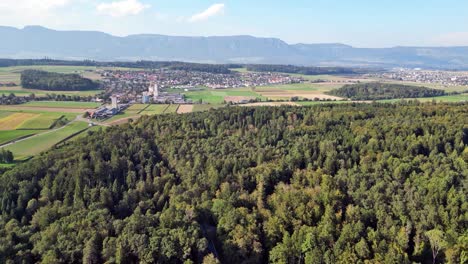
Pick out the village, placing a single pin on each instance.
(154, 85)
(446, 78)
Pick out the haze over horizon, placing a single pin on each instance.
(237, 35)
(361, 23)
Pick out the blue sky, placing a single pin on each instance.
(361, 23)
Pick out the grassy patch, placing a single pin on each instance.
(171, 109)
(306, 103)
(10, 135)
(43, 121)
(54, 104)
(449, 99)
(156, 109)
(206, 107)
(37, 144)
(15, 120)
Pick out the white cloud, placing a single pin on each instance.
(452, 39)
(213, 10)
(122, 8)
(31, 5)
(26, 12)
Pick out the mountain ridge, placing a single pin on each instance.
(96, 45)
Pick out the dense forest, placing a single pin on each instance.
(381, 91)
(351, 183)
(300, 69)
(51, 81)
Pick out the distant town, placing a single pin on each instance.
(151, 86)
(447, 78)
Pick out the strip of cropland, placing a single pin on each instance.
(44, 141)
(15, 120)
(19, 121)
(11, 135)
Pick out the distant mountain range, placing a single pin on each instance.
(40, 42)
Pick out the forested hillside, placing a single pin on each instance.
(51, 81)
(300, 69)
(380, 91)
(348, 183)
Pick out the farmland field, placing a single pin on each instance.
(183, 109)
(15, 120)
(171, 109)
(10, 135)
(206, 107)
(448, 98)
(16, 123)
(217, 96)
(43, 121)
(56, 104)
(155, 109)
(37, 144)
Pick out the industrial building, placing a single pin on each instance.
(163, 97)
(109, 111)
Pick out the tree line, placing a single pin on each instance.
(51, 81)
(351, 183)
(300, 69)
(6, 156)
(212, 68)
(381, 91)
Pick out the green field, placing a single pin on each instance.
(156, 109)
(217, 96)
(171, 109)
(121, 115)
(57, 104)
(10, 135)
(43, 121)
(137, 107)
(449, 99)
(206, 107)
(37, 144)
(306, 103)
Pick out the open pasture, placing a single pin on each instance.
(11, 135)
(171, 109)
(216, 96)
(56, 104)
(42, 121)
(459, 98)
(155, 109)
(44, 141)
(15, 120)
(278, 94)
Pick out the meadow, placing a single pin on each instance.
(19, 121)
(42, 142)
(10, 135)
(62, 104)
(216, 96)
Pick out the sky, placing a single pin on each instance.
(360, 23)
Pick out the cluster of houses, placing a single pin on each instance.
(446, 78)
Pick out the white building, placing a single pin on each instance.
(114, 102)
